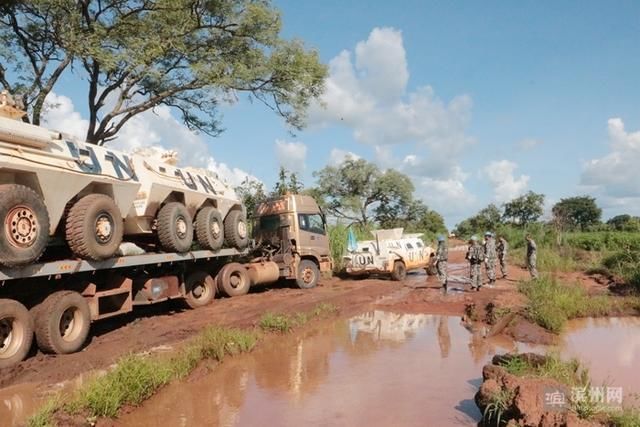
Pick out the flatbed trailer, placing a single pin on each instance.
(56, 301)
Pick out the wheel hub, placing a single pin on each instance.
(68, 324)
(197, 291)
(242, 229)
(307, 275)
(104, 228)
(181, 227)
(21, 226)
(11, 336)
(235, 281)
(215, 229)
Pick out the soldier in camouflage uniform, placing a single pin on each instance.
(442, 257)
(502, 247)
(490, 257)
(532, 256)
(475, 255)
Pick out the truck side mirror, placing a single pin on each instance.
(284, 221)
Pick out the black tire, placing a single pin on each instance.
(94, 227)
(235, 229)
(199, 289)
(209, 228)
(62, 323)
(308, 274)
(175, 229)
(16, 332)
(25, 231)
(233, 280)
(399, 271)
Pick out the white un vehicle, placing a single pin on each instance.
(390, 253)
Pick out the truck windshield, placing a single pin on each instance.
(269, 223)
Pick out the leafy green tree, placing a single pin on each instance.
(252, 193)
(580, 211)
(525, 209)
(288, 182)
(358, 191)
(136, 55)
(625, 222)
(487, 219)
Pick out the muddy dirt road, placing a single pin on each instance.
(166, 324)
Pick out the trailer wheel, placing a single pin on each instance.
(209, 228)
(199, 289)
(26, 225)
(233, 280)
(94, 227)
(308, 274)
(62, 322)
(175, 230)
(16, 332)
(235, 229)
(399, 271)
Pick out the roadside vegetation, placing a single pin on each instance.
(135, 378)
(570, 373)
(551, 304)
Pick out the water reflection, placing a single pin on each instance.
(375, 369)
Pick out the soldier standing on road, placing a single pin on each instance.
(490, 257)
(532, 257)
(502, 247)
(442, 257)
(475, 255)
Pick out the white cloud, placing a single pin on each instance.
(529, 143)
(291, 155)
(366, 91)
(60, 114)
(614, 178)
(505, 185)
(338, 156)
(156, 131)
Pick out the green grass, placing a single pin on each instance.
(281, 322)
(44, 416)
(494, 412)
(136, 378)
(550, 303)
(568, 372)
(629, 417)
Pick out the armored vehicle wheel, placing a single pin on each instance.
(94, 227)
(209, 228)
(200, 289)
(62, 322)
(235, 230)
(26, 225)
(308, 274)
(175, 230)
(233, 280)
(16, 332)
(399, 271)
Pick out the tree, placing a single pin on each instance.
(625, 222)
(358, 191)
(288, 182)
(139, 54)
(525, 209)
(580, 211)
(251, 192)
(486, 219)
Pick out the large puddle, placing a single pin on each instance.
(376, 369)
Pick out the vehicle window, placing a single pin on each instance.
(312, 223)
(269, 223)
(419, 244)
(409, 246)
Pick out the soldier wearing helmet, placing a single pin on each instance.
(442, 257)
(490, 257)
(475, 256)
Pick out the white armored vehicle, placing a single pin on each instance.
(391, 253)
(52, 185)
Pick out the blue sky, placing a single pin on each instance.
(521, 95)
